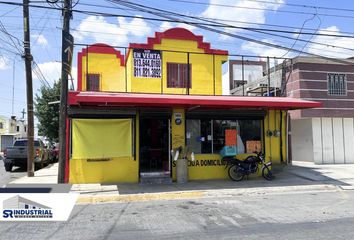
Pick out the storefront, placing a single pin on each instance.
(129, 112)
(117, 137)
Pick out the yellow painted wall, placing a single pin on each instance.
(110, 69)
(272, 143)
(202, 77)
(123, 169)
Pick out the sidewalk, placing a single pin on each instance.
(301, 176)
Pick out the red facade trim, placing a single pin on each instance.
(186, 101)
(95, 48)
(67, 167)
(178, 34)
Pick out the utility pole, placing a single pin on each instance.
(66, 58)
(29, 89)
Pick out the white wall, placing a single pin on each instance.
(301, 140)
(333, 140)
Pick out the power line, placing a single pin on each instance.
(180, 21)
(163, 13)
(225, 20)
(267, 9)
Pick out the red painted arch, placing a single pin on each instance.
(179, 34)
(95, 48)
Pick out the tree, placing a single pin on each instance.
(48, 114)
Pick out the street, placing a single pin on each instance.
(7, 177)
(291, 215)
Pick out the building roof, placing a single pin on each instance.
(178, 33)
(186, 101)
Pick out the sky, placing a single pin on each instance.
(46, 24)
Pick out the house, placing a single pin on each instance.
(10, 130)
(324, 134)
(131, 110)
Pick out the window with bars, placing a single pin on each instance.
(93, 82)
(177, 75)
(337, 84)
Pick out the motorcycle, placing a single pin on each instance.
(238, 169)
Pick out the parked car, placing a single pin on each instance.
(17, 154)
(54, 152)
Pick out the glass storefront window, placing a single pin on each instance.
(205, 136)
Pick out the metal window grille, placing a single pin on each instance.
(337, 84)
(177, 75)
(93, 82)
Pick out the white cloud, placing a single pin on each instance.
(241, 11)
(50, 70)
(330, 51)
(97, 28)
(40, 39)
(187, 26)
(167, 25)
(262, 50)
(324, 50)
(4, 63)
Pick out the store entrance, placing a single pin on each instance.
(154, 147)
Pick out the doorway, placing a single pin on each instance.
(154, 147)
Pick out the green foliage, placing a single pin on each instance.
(48, 115)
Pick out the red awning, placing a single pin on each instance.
(186, 101)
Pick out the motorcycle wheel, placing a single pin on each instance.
(267, 173)
(8, 167)
(235, 173)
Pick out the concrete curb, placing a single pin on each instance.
(92, 199)
(139, 197)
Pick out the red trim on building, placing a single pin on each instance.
(67, 167)
(186, 101)
(95, 48)
(179, 34)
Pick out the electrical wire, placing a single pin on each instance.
(266, 9)
(167, 14)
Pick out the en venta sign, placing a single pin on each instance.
(147, 63)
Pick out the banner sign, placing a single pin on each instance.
(147, 63)
(230, 137)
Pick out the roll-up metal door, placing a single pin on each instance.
(226, 114)
(155, 113)
(101, 112)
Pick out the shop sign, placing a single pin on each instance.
(203, 163)
(147, 63)
(230, 137)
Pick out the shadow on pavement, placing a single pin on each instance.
(284, 176)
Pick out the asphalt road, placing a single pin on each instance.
(7, 177)
(311, 215)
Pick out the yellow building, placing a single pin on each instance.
(131, 110)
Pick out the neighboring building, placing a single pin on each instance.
(129, 112)
(245, 72)
(324, 134)
(10, 130)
